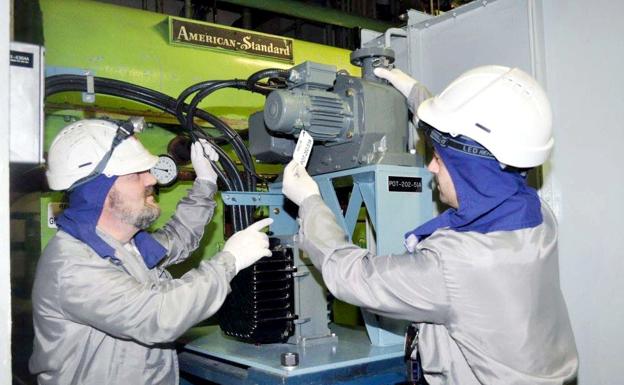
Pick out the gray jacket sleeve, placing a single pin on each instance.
(183, 232)
(95, 293)
(409, 286)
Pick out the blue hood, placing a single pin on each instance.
(80, 220)
(490, 198)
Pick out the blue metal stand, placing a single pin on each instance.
(397, 199)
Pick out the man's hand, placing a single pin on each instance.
(400, 80)
(249, 245)
(201, 155)
(297, 184)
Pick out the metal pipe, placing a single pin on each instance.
(188, 9)
(313, 13)
(247, 18)
(393, 32)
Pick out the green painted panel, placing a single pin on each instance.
(132, 45)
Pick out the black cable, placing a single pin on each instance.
(253, 80)
(192, 108)
(185, 94)
(246, 160)
(206, 88)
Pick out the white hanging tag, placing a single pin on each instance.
(303, 148)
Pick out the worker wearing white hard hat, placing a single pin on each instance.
(480, 281)
(105, 309)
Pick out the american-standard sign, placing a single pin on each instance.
(188, 32)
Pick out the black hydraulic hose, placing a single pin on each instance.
(252, 81)
(239, 146)
(192, 108)
(186, 93)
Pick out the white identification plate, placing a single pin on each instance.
(303, 148)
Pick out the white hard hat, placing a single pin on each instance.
(502, 108)
(79, 147)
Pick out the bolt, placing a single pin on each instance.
(349, 134)
(349, 92)
(276, 211)
(294, 76)
(289, 359)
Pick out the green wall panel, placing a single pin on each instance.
(132, 45)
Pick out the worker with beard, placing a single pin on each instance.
(105, 309)
(479, 282)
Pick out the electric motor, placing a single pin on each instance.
(323, 114)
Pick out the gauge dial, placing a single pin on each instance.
(165, 171)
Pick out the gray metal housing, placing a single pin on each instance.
(355, 122)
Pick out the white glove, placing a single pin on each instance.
(399, 79)
(249, 245)
(410, 243)
(297, 184)
(201, 164)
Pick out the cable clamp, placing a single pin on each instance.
(89, 95)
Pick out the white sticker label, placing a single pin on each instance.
(54, 209)
(303, 148)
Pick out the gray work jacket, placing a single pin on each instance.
(101, 323)
(489, 306)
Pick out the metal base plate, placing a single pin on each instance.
(351, 348)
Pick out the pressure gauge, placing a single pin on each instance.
(165, 171)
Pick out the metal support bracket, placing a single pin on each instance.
(89, 95)
(245, 198)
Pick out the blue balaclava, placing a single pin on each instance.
(490, 198)
(80, 220)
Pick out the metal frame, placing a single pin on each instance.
(384, 207)
(349, 357)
